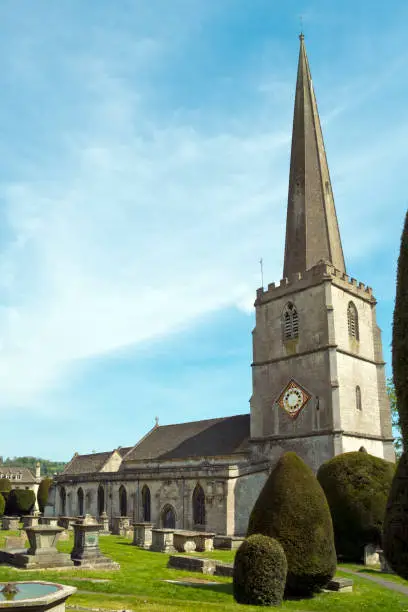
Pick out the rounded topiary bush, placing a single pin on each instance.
(2, 504)
(260, 569)
(20, 501)
(292, 508)
(395, 539)
(42, 495)
(357, 486)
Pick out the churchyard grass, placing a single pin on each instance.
(140, 584)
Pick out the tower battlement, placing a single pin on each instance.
(322, 271)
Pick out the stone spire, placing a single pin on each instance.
(312, 231)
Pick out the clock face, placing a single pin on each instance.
(293, 398)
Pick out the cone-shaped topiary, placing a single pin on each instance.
(292, 508)
(2, 505)
(20, 501)
(260, 569)
(357, 486)
(42, 495)
(395, 540)
(400, 336)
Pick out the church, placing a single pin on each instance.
(318, 379)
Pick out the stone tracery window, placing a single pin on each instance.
(146, 504)
(168, 517)
(198, 506)
(290, 322)
(352, 321)
(63, 499)
(358, 398)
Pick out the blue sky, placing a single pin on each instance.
(145, 150)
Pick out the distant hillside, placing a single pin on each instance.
(48, 468)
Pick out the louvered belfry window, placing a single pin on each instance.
(290, 322)
(352, 321)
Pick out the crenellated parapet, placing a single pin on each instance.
(323, 271)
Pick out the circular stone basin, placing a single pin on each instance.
(38, 594)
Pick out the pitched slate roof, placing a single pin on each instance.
(210, 438)
(86, 464)
(123, 450)
(8, 471)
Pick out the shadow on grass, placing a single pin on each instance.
(221, 587)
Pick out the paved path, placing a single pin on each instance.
(393, 586)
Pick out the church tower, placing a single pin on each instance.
(318, 372)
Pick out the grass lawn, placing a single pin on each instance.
(140, 584)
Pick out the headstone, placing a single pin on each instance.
(42, 551)
(385, 566)
(104, 521)
(29, 520)
(86, 552)
(371, 555)
(11, 523)
(142, 535)
(227, 542)
(162, 540)
(52, 521)
(121, 525)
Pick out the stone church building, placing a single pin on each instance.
(318, 379)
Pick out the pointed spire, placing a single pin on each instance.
(312, 231)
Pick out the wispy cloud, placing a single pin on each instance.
(140, 216)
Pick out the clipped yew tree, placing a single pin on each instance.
(42, 495)
(395, 539)
(293, 509)
(357, 486)
(20, 501)
(260, 569)
(2, 505)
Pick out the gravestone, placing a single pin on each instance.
(86, 552)
(142, 535)
(11, 523)
(371, 555)
(29, 520)
(42, 551)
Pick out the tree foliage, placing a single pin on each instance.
(48, 468)
(357, 486)
(5, 485)
(2, 504)
(395, 539)
(395, 417)
(42, 495)
(293, 509)
(260, 569)
(20, 501)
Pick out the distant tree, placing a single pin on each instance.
(42, 494)
(395, 417)
(48, 468)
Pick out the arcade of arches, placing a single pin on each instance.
(183, 504)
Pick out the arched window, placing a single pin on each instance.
(352, 321)
(168, 517)
(290, 322)
(198, 506)
(101, 500)
(122, 501)
(146, 503)
(63, 501)
(358, 398)
(80, 500)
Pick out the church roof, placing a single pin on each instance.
(209, 438)
(312, 231)
(86, 464)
